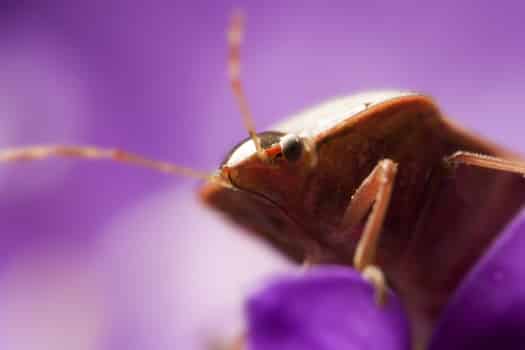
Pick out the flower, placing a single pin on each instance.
(333, 308)
(324, 309)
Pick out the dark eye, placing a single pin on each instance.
(292, 147)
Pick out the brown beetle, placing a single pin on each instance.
(381, 181)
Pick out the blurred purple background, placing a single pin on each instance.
(101, 256)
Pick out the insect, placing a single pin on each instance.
(381, 181)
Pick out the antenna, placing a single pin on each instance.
(235, 33)
(32, 153)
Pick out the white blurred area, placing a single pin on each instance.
(51, 301)
(181, 271)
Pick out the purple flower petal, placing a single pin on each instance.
(328, 308)
(488, 310)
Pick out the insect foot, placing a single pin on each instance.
(375, 276)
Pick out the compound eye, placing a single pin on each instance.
(291, 147)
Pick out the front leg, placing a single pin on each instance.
(373, 194)
(487, 162)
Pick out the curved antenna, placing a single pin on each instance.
(32, 153)
(235, 33)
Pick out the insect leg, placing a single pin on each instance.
(374, 193)
(375, 276)
(484, 161)
(32, 153)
